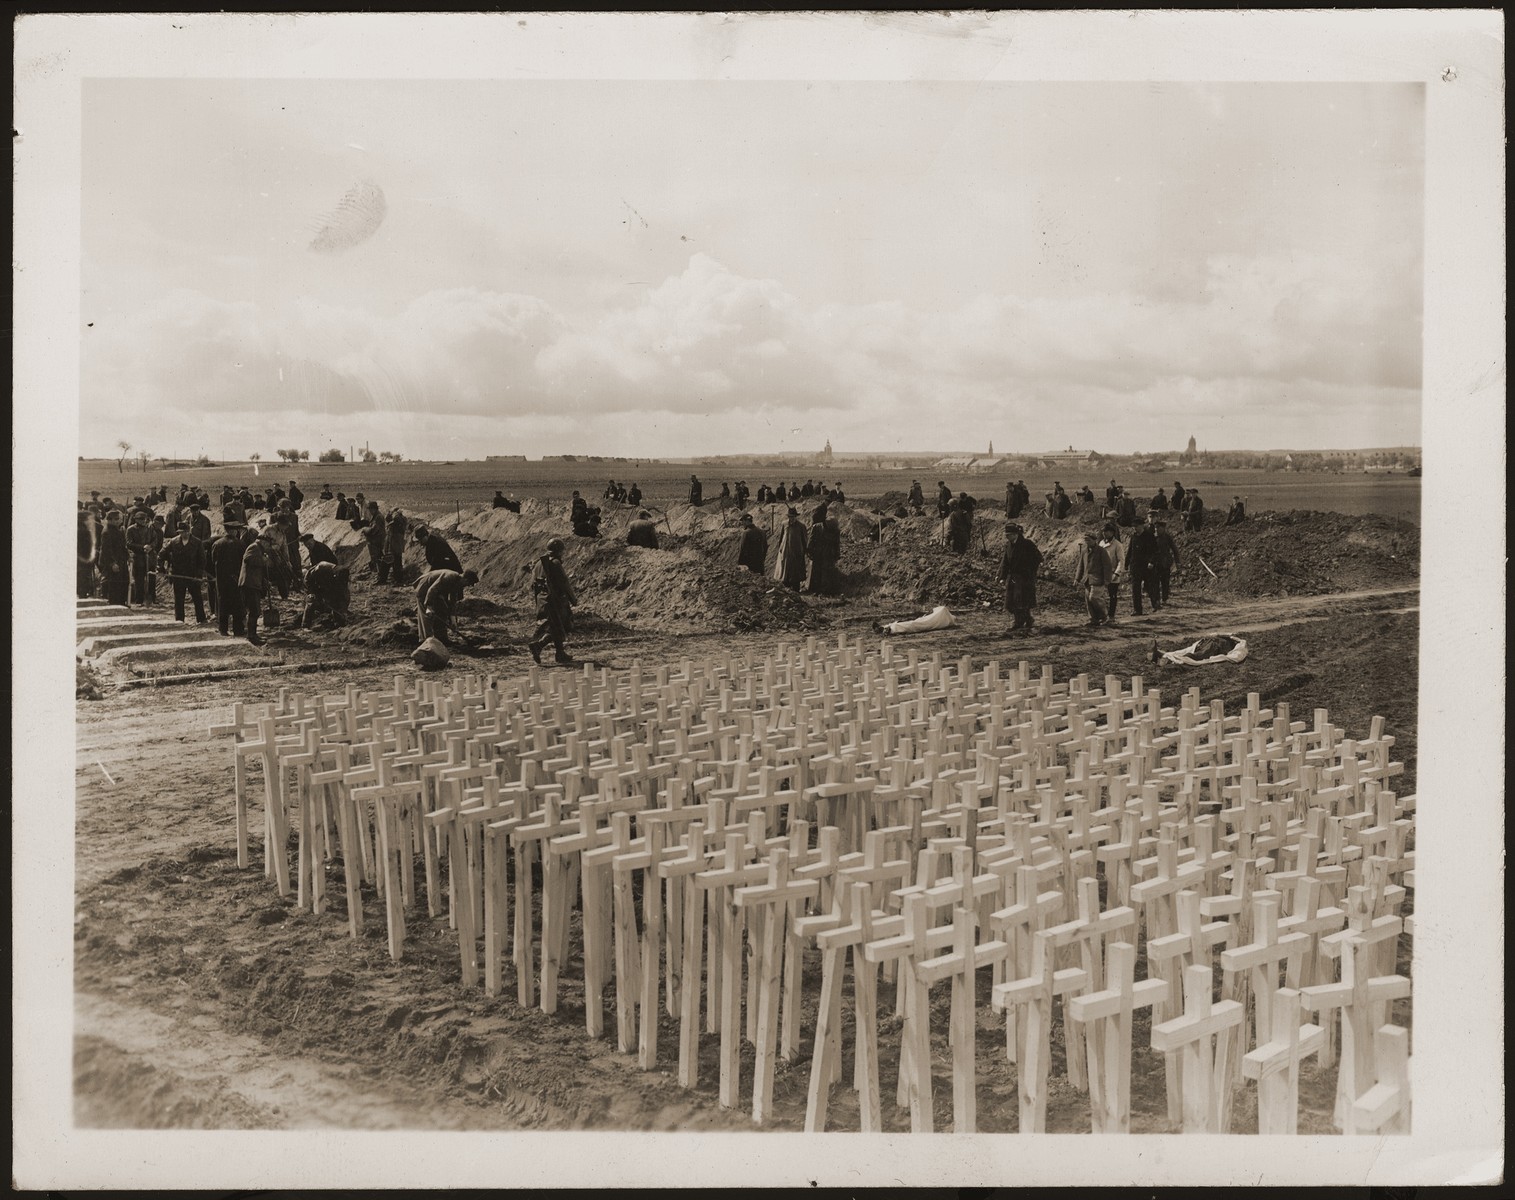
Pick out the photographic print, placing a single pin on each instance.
(639, 602)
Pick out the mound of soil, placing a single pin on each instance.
(898, 565)
(1300, 553)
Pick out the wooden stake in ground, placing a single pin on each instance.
(1199, 1036)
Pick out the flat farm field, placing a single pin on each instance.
(430, 486)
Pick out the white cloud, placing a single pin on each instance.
(707, 340)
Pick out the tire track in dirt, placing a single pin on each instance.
(235, 1078)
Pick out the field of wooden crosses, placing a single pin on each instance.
(738, 841)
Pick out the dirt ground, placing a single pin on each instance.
(205, 1001)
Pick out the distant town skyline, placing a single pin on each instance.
(458, 268)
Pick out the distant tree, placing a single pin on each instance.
(389, 456)
(304, 455)
(332, 456)
(142, 457)
(283, 455)
(203, 461)
(255, 457)
(369, 456)
(125, 448)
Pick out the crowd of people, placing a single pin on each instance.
(262, 552)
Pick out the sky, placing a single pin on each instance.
(683, 268)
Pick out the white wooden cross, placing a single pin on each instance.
(1199, 1037)
(961, 965)
(1385, 1107)
(1275, 1062)
(1105, 1016)
(773, 900)
(1035, 994)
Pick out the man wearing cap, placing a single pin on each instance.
(184, 556)
(556, 598)
(115, 557)
(226, 569)
(296, 496)
(316, 551)
(1092, 573)
(1115, 548)
(1141, 566)
(642, 532)
(917, 497)
(261, 568)
(374, 534)
(943, 499)
(1017, 570)
(752, 553)
(325, 492)
(696, 491)
(440, 556)
(633, 495)
(1238, 512)
(139, 541)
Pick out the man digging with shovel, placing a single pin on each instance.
(437, 596)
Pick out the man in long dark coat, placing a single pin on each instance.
(696, 492)
(115, 558)
(440, 556)
(959, 527)
(1194, 511)
(226, 554)
(753, 552)
(1017, 570)
(943, 499)
(789, 568)
(1141, 565)
(819, 550)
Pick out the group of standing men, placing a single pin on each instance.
(821, 544)
(1106, 561)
